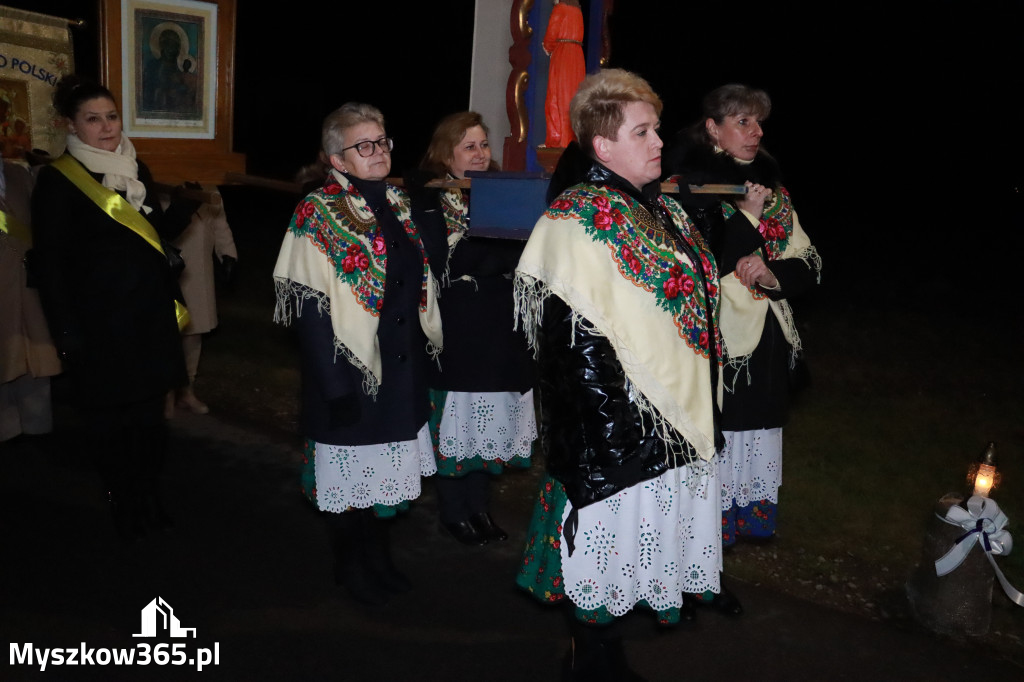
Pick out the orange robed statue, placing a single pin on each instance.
(563, 42)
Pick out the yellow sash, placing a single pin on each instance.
(15, 228)
(115, 206)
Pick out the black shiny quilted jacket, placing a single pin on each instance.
(592, 434)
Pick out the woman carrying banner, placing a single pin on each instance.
(766, 259)
(110, 295)
(483, 388)
(352, 276)
(618, 293)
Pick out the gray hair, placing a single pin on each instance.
(735, 99)
(332, 136)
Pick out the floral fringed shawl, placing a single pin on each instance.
(744, 308)
(456, 222)
(335, 255)
(601, 252)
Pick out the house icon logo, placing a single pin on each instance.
(158, 619)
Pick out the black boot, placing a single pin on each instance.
(477, 487)
(154, 513)
(127, 516)
(596, 654)
(151, 444)
(688, 611)
(724, 602)
(115, 467)
(377, 533)
(350, 567)
(485, 526)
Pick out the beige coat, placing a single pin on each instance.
(25, 343)
(207, 236)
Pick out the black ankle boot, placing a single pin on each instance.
(485, 526)
(597, 655)
(155, 514)
(377, 533)
(127, 517)
(350, 566)
(727, 603)
(688, 611)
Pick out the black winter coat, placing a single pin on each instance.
(482, 351)
(335, 409)
(593, 437)
(763, 401)
(592, 433)
(107, 294)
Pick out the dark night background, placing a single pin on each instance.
(896, 124)
(898, 129)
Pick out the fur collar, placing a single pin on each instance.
(701, 164)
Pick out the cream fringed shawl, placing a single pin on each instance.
(456, 221)
(598, 250)
(744, 309)
(334, 255)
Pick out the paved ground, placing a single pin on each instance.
(247, 564)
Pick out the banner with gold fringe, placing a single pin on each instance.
(35, 52)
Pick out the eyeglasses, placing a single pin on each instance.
(367, 148)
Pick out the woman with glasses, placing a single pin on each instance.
(482, 392)
(353, 279)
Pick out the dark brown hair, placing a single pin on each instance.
(71, 92)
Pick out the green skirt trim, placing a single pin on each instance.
(451, 467)
(307, 482)
(540, 572)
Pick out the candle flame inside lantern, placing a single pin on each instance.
(984, 479)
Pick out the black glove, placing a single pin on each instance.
(415, 186)
(343, 411)
(225, 270)
(31, 269)
(186, 205)
(69, 347)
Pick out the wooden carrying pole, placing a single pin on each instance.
(295, 188)
(213, 198)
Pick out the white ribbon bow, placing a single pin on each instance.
(984, 523)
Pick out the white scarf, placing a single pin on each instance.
(119, 168)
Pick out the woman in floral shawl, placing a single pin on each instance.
(618, 294)
(765, 259)
(482, 391)
(352, 276)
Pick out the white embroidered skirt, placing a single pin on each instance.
(361, 476)
(497, 425)
(651, 542)
(750, 467)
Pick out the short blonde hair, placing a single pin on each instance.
(332, 135)
(597, 107)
